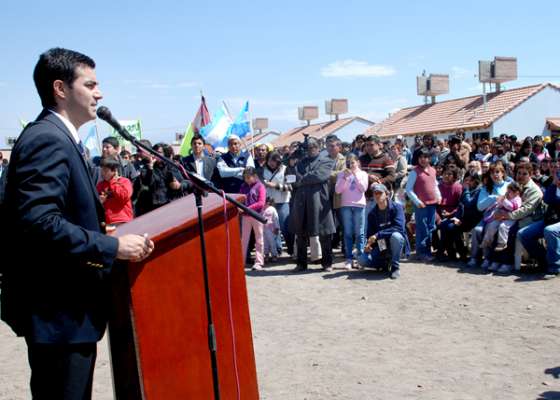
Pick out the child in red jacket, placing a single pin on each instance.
(115, 192)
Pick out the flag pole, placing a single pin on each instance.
(97, 136)
(252, 131)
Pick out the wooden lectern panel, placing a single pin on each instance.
(159, 333)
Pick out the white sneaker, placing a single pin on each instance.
(505, 269)
(257, 267)
(472, 263)
(494, 266)
(485, 264)
(348, 265)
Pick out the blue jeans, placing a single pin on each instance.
(529, 237)
(369, 206)
(353, 224)
(283, 210)
(425, 219)
(374, 259)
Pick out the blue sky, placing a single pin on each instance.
(153, 58)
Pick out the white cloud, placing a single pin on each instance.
(353, 68)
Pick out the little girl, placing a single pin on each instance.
(271, 230)
(255, 193)
(511, 201)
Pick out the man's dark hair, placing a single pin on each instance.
(112, 141)
(424, 153)
(109, 162)
(57, 64)
(198, 136)
(374, 139)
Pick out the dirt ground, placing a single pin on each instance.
(436, 333)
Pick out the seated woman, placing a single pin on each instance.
(463, 220)
(450, 190)
(495, 185)
(531, 199)
(385, 232)
(549, 228)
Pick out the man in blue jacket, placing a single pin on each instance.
(386, 233)
(55, 284)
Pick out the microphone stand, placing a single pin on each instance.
(201, 186)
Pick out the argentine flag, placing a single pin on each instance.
(241, 126)
(216, 132)
(91, 142)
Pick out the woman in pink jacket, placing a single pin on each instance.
(352, 184)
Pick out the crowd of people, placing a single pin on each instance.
(486, 202)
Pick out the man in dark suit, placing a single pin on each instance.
(198, 162)
(55, 289)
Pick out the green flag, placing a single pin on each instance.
(185, 148)
(22, 123)
(133, 127)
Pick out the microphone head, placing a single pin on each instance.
(104, 113)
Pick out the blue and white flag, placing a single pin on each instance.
(91, 142)
(241, 126)
(216, 132)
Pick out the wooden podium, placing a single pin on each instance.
(158, 332)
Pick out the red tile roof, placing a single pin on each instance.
(464, 113)
(553, 123)
(318, 130)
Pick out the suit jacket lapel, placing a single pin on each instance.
(49, 116)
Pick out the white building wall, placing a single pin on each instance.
(529, 119)
(349, 132)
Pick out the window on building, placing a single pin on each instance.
(481, 135)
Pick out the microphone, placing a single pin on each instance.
(105, 114)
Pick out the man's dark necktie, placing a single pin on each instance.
(82, 149)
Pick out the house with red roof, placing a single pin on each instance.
(346, 129)
(524, 111)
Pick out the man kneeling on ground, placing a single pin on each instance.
(386, 233)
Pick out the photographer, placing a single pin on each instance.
(115, 192)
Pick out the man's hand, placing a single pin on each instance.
(501, 215)
(456, 221)
(421, 205)
(134, 247)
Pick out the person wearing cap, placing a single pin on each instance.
(422, 189)
(232, 164)
(378, 165)
(386, 232)
(311, 212)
